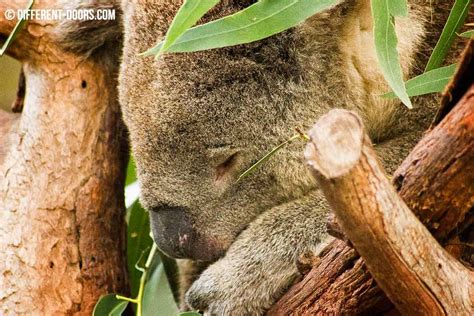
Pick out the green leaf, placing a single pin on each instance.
(266, 157)
(171, 271)
(190, 314)
(467, 34)
(455, 21)
(158, 298)
(398, 7)
(109, 305)
(258, 21)
(429, 82)
(188, 15)
(386, 47)
(138, 241)
(131, 172)
(18, 27)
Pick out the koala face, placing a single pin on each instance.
(198, 120)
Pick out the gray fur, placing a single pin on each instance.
(88, 36)
(189, 113)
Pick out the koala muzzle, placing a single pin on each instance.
(175, 233)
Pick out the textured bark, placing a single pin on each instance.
(444, 156)
(440, 170)
(61, 180)
(401, 254)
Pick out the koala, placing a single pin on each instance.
(199, 120)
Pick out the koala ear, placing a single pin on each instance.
(85, 37)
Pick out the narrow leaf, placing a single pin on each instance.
(138, 241)
(455, 21)
(109, 305)
(266, 157)
(258, 21)
(429, 82)
(467, 34)
(157, 297)
(398, 7)
(131, 172)
(16, 30)
(188, 15)
(386, 48)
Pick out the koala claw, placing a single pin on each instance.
(199, 296)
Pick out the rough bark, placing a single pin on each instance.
(444, 161)
(61, 180)
(440, 170)
(401, 254)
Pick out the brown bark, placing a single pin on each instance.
(399, 251)
(445, 161)
(440, 170)
(61, 181)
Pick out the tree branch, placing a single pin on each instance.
(401, 254)
(346, 293)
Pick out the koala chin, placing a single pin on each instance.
(198, 120)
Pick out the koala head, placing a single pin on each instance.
(198, 120)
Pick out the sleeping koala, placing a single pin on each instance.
(198, 120)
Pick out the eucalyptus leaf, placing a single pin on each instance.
(109, 305)
(131, 172)
(188, 15)
(16, 30)
(266, 157)
(386, 46)
(456, 19)
(190, 314)
(467, 34)
(428, 82)
(138, 241)
(158, 298)
(258, 21)
(398, 7)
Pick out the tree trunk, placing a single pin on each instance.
(439, 168)
(61, 180)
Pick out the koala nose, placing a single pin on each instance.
(175, 234)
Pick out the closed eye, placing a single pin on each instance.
(226, 167)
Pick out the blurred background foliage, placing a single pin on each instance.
(152, 274)
(9, 74)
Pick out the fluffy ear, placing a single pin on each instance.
(87, 36)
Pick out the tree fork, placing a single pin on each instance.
(352, 290)
(401, 254)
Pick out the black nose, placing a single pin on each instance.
(176, 234)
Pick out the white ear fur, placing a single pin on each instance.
(363, 74)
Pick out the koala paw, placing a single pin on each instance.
(240, 287)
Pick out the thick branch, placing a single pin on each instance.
(346, 294)
(399, 251)
(440, 170)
